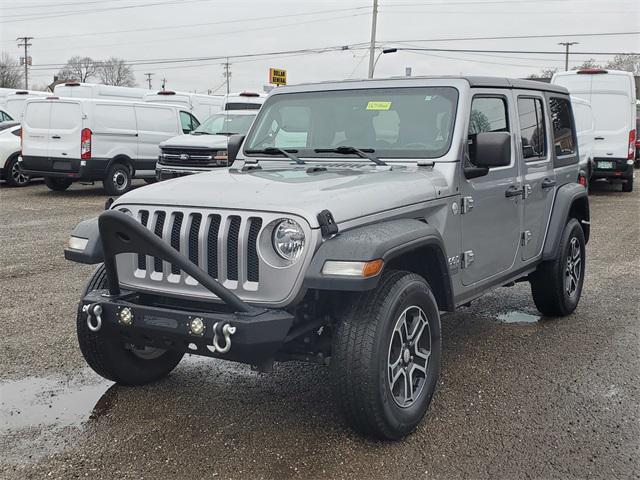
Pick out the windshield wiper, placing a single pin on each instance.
(346, 150)
(228, 134)
(279, 151)
(196, 132)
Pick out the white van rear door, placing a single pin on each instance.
(35, 130)
(155, 124)
(611, 104)
(65, 128)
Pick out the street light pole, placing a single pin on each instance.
(372, 44)
(383, 51)
(566, 53)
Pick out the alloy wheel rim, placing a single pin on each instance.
(408, 356)
(16, 174)
(120, 180)
(573, 271)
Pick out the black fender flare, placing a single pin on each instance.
(571, 200)
(92, 253)
(385, 240)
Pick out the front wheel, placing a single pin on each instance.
(116, 361)
(386, 357)
(15, 175)
(118, 179)
(556, 285)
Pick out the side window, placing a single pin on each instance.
(532, 128)
(154, 119)
(564, 142)
(188, 122)
(488, 114)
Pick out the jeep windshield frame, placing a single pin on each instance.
(396, 122)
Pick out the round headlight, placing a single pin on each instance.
(288, 240)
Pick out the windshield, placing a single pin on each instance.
(226, 124)
(395, 122)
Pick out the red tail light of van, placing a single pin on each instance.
(85, 144)
(632, 145)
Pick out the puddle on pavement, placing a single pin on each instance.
(516, 316)
(50, 402)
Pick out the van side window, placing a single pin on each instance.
(488, 114)
(532, 128)
(562, 121)
(188, 122)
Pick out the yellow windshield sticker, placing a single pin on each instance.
(378, 105)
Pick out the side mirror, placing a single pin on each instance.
(492, 149)
(233, 147)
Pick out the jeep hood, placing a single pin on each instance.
(348, 193)
(197, 141)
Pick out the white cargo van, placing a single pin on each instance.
(14, 103)
(244, 101)
(96, 90)
(583, 119)
(76, 139)
(612, 94)
(201, 106)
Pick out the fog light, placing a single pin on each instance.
(126, 316)
(77, 243)
(196, 326)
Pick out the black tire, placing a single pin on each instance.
(549, 285)
(628, 185)
(57, 184)
(365, 341)
(111, 359)
(118, 179)
(14, 175)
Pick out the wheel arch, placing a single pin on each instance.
(572, 201)
(122, 159)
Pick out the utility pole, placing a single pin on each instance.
(25, 43)
(372, 45)
(149, 79)
(566, 53)
(226, 73)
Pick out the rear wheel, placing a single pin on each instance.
(118, 179)
(386, 357)
(116, 361)
(15, 175)
(57, 184)
(628, 185)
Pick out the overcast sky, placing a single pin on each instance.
(172, 29)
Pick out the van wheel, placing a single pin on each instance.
(15, 176)
(628, 185)
(556, 285)
(386, 357)
(116, 361)
(118, 179)
(57, 184)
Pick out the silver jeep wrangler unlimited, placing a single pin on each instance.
(353, 214)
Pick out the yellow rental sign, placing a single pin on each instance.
(277, 76)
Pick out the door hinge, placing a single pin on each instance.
(526, 237)
(466, 205)
(466, 259)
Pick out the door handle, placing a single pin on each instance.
(598, 138)
(514, 191)
(55, 137)
(548, 183)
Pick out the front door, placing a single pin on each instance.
(539, 176)
(491, 228)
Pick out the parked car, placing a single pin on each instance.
(98, 91)
(76, 139)
(201, 106)
(5, 116)
(353, 214)
(205, 148)
(584, 121)
(612, 95)
(10, 170)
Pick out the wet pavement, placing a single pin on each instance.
(520, 396)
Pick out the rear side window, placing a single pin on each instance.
(532, 128)
(156, 119)
(37, 115)
(564, 142)
(114, 117)
(5, 117)
(65, 116)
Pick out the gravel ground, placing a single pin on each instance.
(534, 399)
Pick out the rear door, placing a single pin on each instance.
(537, 167)
(65, 127)
(611, 104)
(155, 124)
(35, 135)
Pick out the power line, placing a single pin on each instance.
(532, 52)
(515, 37)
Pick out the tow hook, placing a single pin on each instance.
(96, 310)
(226, 331)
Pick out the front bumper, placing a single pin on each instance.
(164, 172)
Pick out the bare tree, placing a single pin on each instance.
(544, 73)
(589, 63)
(114, 71)
(79, 68)
(10, 72)
(630, 63)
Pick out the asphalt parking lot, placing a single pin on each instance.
(519, 397)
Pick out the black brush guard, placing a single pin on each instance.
(234, 331)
